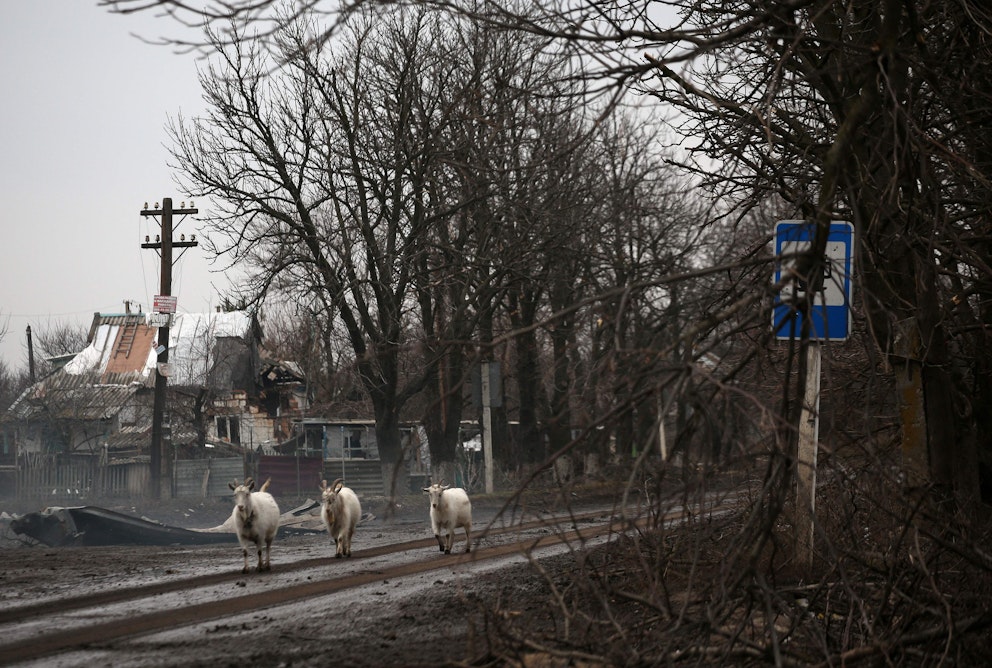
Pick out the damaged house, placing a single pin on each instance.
(87, 426)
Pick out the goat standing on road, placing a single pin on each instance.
(256, 520)
(450, 509)
(341, 513)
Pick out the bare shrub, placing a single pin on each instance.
(900, 577)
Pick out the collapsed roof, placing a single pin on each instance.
(121, 359)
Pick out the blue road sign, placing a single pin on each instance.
(830, 319)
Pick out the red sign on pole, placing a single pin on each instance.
(164, 304)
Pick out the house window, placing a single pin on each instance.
(129, 415)
(228, 428)
(353, 445)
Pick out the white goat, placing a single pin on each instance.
(341, 512)
(256, 520)
(450, 509)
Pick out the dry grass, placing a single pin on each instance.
(900, 578)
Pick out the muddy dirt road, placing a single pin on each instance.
(398, 601)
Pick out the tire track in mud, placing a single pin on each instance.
(90, 633)
(93, 633)
(22, 612)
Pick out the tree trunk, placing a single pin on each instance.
(529, 448)
(935, 446)
(443, 414)
(560, 421)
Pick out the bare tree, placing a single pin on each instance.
(297, 334)
(857, 120)
(11, 385)
(873, 112)
(321, 181)
(840, 111)
(517, 157)
(57, 339)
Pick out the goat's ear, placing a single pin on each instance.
(427, 489)
(250, 484)
(232, 485)
(323, 484)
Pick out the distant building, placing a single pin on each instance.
(224, 392)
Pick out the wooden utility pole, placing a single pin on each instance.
(30, 356)
(165, 244)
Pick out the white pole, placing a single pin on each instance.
(809, 427)
(487, 427)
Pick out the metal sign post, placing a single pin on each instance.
(809, 430)
(829, 320)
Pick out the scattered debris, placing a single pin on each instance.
(92, 525)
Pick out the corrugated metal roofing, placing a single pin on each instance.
(121, 359)
(121, 344)
(79, 397)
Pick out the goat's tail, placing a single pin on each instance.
(265, 485)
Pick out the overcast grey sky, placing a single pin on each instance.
(82, 119)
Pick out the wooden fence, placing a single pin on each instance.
(55, 479)
(58, 480)
(206, 478)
